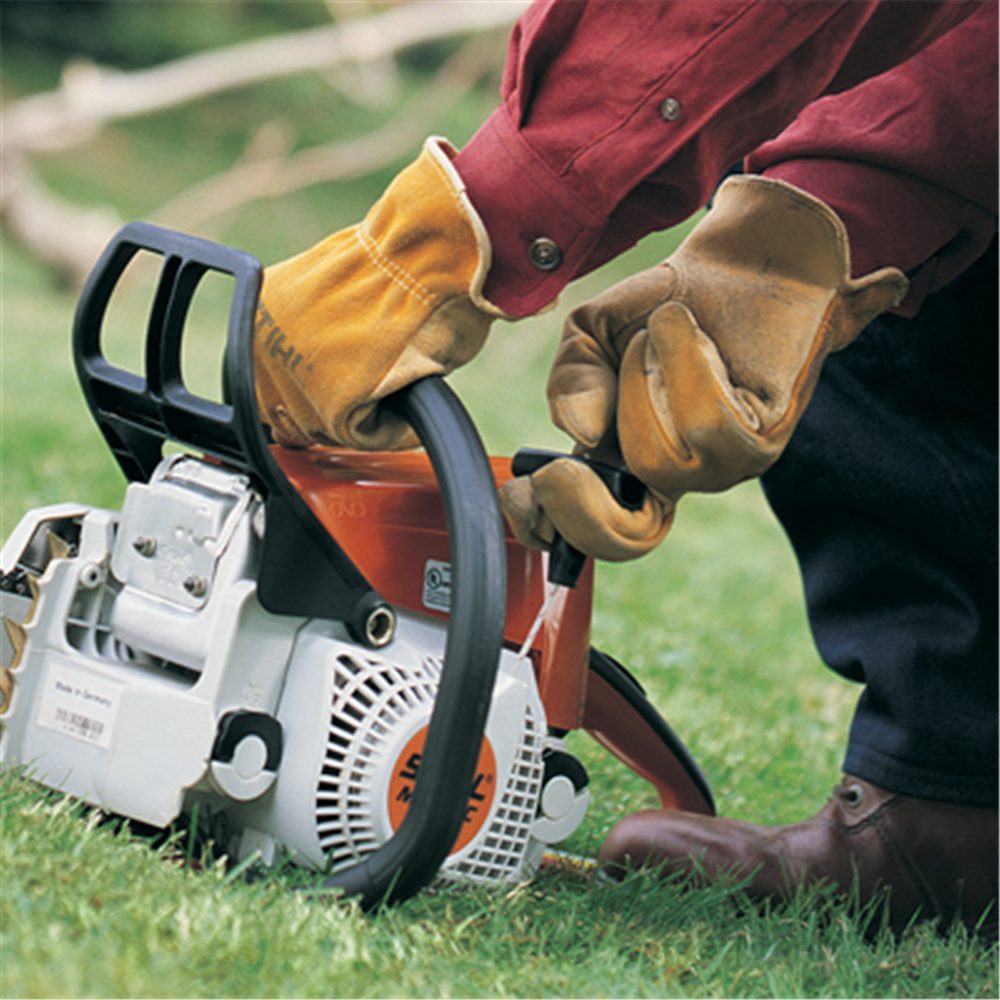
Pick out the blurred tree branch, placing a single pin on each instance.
(374, 83)
(69, 237)
(268, 171)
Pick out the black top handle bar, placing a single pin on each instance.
(138, 414)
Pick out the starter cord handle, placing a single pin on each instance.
(566, 562)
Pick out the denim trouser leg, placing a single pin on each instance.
(888, 492)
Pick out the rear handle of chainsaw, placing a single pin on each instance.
(304, 572)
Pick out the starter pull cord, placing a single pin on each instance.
(565, 562)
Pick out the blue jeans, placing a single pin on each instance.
(888, 493)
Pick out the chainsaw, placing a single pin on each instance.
(322, 656)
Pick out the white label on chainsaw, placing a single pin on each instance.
(80, 705)
(437, 585)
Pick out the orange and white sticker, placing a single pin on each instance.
(403, 781)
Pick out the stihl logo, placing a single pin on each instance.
(409, 775)
(404, 778)
(275, 341)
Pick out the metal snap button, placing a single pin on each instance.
(670, 109)
(545, 254)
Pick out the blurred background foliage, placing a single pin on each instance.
(40, 34)
(135, 164)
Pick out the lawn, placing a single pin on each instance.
(712, 623)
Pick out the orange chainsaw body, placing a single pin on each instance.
(386, 513)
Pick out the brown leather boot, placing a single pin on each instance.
(933, 860)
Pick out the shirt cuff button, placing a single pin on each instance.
(545, 254)
(670, 109)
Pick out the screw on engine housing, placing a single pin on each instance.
(145, 546)
(196, 586)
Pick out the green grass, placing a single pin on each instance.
(712, 623)
(90, 911)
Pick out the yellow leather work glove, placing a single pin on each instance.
(373, 308)
(694, 373)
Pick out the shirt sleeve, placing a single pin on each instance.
(907, 159)
(620, 119)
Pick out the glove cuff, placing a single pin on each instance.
(426, 235)
(442, 153)
(777, 237)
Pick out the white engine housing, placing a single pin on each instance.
(134, 643)
(355, 719)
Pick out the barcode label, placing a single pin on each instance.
(89, 729)
(79, 704)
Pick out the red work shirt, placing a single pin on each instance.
(619, 119)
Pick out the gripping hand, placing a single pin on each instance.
(703, 365)
(693, 374)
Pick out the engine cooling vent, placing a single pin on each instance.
(372, 701)
(376, 702)
(500, 857)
